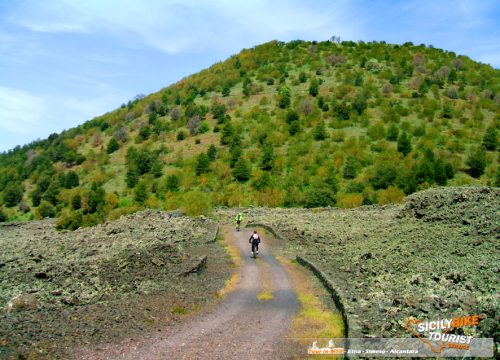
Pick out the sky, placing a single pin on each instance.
(63, 62)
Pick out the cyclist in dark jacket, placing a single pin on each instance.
(255, 240)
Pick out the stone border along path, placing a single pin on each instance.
(351, 327)
(250, 323)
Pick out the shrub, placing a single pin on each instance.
(391, 195)
(3, 216)
(12, 194)
(172, 183)
(113, 145)
(350, 168)
(476, 162)
(490, 140)
(241, 170)
(141, 192)
(181, 135)
(314, 87)
(319, 132)
(349, 201)
(404, 144)
(46, 209)
(195, 203)
(202, 164)
(71, 180)
(76, 202)
(212, 152)
(319, 195)
(132, 177)
(70, 220)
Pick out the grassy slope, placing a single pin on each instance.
(415, 104)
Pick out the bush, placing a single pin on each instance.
(141, 192)
(391, 195)
(212, 152)
(76, 202)
(12, 194)
(385, 175)
(202, 164)
(350, 168)
(70, 220)
(404, 144)
(181, 135)
(349, 201)
(319, 195)
(195, 203)
(319, 132)
(490, 140)
(172, 183)
(71, 180)
(46, 209)
(113, 145)
(476, 162)
(241, 170)
(3, 216)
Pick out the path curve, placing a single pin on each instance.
(241, 327)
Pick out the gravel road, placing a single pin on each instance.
(249, 324)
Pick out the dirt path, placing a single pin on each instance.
(249, 324)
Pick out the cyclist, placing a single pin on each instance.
(255, 240)
(239, 219)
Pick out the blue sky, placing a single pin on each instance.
(63, 62)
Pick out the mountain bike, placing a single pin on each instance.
(254, 250)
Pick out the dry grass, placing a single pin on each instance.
(234, 254)
(314, 319)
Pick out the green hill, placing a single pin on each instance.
(298, 124)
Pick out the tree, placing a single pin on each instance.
(218, 111)
(71, 180)
(212, 152)
(141, 192)
(268, 157)
(241, 170)
(227, 134)
(181, 135)
(36, 195)
(12, 194)
(52, 192)
(202, 164)
(46, 209)
(173, 183)
(132, 177)
(319, 195)
(76, 202)
(476, 162)
(291, 116)
(490, 140)
(226, 91)
(294, 127)
(113, 145)
(404, 143)
(350, 169)
(440, 172)
(314, 87)
(319, 132)
(97, 198)
(393, 132)
(284, 97)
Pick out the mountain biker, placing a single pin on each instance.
(255, 240)
(239, 219)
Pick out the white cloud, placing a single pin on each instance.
(26, 117)
(20, 111)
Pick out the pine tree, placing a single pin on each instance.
(141, 192)
(350, 167)
(132, 177)
(212, 152)
(393, 132)
(476, 162)
(404, 144)
(202, 164)
(113, 145)
(241, 170)
(173, 183)
(319, 132)
(268, 157)
(314, 87)
(490, 140)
